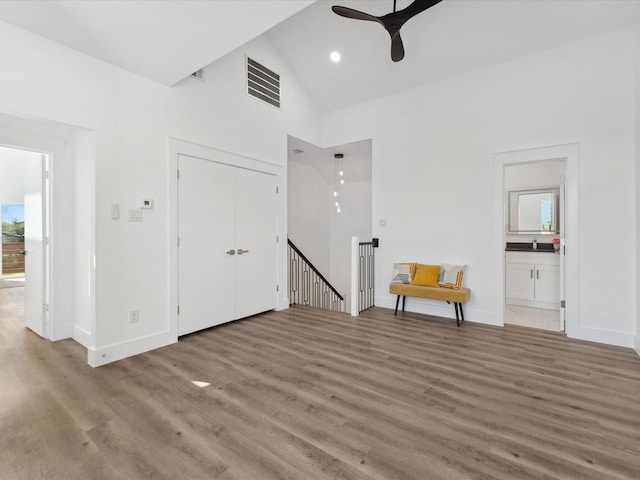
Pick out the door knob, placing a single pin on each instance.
(232, 252)
(23, 252)
(240, 251)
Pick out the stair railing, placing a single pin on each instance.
(366, 275)
(307, 286)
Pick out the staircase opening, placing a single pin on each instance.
(319, 228)
(307, 286)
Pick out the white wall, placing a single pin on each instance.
(309, 214)
(433, 171)
(12, 176)
(533, 175)
(132, 119)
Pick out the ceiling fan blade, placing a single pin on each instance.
(355, 14)
(395, 20)
(415, 8)
(397, 48)
(392, 22)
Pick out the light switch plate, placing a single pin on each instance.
(115, 211)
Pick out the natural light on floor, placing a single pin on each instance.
(200, 384)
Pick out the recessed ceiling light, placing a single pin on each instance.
(335, 57)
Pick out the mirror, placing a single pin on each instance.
(533, 211)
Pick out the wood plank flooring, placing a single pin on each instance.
(309, 394)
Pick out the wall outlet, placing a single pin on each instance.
(134, 316)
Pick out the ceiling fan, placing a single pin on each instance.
(391, 21)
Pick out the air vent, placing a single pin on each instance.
(199, 74)
(262, 83)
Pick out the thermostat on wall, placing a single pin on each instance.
(146, 203)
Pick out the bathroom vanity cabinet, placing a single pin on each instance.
(533, 279)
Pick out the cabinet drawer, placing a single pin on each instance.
(539, 258)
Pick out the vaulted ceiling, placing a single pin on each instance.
(166, 40)
(451, 38)
(163, 40)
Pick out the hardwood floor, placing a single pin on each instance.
(308, 394)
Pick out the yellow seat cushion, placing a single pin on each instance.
(436, 293)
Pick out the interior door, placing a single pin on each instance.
(206, 230)
(33, 243)
(256, 221)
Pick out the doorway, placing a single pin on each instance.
(227, 223)
(329, 202)
(24, 187)
(534, 205)
(569, 279)
(258, 256)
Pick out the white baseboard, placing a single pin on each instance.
(283, 304)
(598, 335)
(437, 308)
(103, 355)
(442, 309)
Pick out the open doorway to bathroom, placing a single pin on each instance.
(534, 266)
(24, 187)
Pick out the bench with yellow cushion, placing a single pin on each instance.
(423, 286)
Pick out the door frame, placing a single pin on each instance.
(569, 153)
(46, 150)
(181, 147)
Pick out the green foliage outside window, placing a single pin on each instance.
(12, 223)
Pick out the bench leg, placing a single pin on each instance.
(457, 306)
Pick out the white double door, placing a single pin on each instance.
(227, 253)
